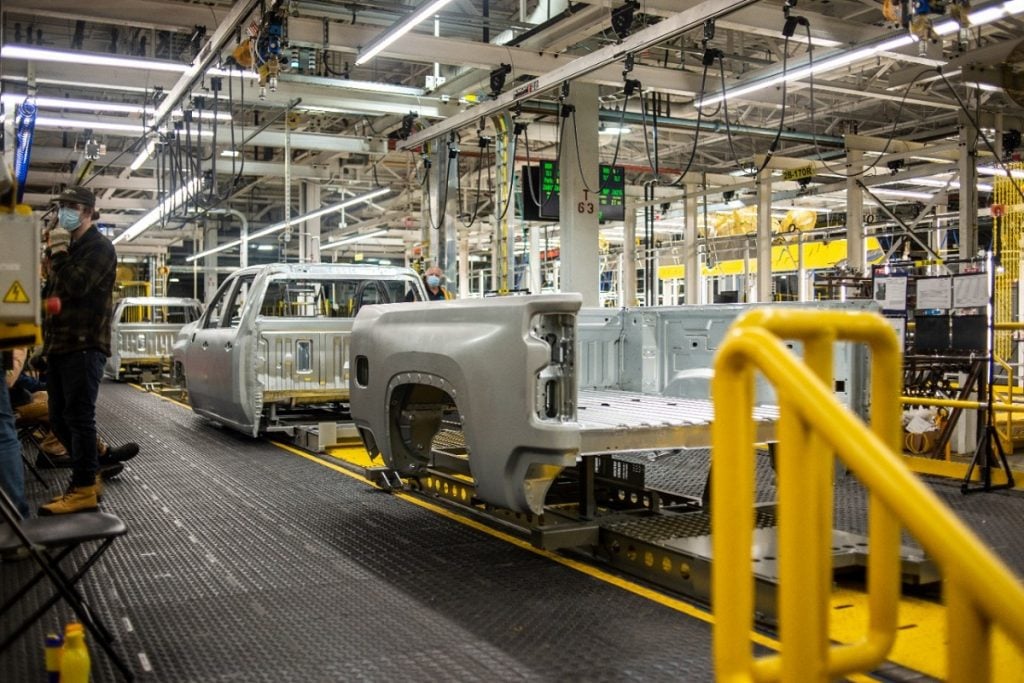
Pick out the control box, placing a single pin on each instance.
(20, 305)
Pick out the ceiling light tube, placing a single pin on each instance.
(92, 59)
(53, 122)
(354, 238)
(166, 206)
(397, 30)
(143, 156)
(907, 194)
(83, 105)
(977, 18)
(295, 221)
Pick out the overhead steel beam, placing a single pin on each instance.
(207, 55)
(40, 199)
(268, 138)
(416, 47)
(766, 19)
(62, 155)
(162, 16)
(652, 35)
(100, 182)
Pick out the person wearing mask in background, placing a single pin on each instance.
(76, 341)
(433, 279)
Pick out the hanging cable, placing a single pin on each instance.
(892, 131)
(484, 143)
(981, 134)
(709, 57)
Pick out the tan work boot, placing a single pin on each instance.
(75, 499)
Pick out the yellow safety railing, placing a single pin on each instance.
(813, 426)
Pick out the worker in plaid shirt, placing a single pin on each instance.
(76, 340)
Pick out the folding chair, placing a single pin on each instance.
(27, 438)
(49, 540)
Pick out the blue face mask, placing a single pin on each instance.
(69, 219)
(433, 281)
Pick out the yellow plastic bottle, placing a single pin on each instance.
(74, 663)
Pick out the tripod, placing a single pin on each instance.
(984, 458)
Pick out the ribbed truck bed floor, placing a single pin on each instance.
(613, 421)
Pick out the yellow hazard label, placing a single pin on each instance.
(16, 294)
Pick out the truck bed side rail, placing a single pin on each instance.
(980, 592)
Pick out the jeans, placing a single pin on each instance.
(12, 471)
(73, 384)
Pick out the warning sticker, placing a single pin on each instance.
(16, 294)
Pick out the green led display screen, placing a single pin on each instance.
(541, 189)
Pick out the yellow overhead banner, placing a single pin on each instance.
(785, 258)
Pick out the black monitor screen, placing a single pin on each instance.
(970, 333)
(931, 333)
(540, 192)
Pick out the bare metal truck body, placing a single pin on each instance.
(272, 345)
(143, 331)
(537, 382)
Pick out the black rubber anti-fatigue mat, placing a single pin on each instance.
(997, 517)
(246, 562)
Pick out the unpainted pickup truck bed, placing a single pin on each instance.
(612, 421)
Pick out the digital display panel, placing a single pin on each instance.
(541, 188)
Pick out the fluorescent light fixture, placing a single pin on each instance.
(294, 221)
(90, 58)
(53, 122)
(142, 156)
(979, 17)
(954, 185)
(233, 72)
(265, 247)
(120, 87)
(397, 30)
(101, 106)
(354, 238)
(229, 153)
(908, 194)
(997, 170)
(615, 130)
(208, 115)
(83, 105)
(350, 84)
(153, 216)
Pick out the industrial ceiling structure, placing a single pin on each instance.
(192, 119)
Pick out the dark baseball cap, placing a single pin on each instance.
(76, 194)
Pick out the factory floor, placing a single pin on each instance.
(249, 560)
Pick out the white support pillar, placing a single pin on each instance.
(578, 196)
(464, 265)
(448, 257)
(968, 172)
(855, 242)
(691, 260)
(536, 278)
(764, 237)
(309, 231)
(209, 262)
(628, 288)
